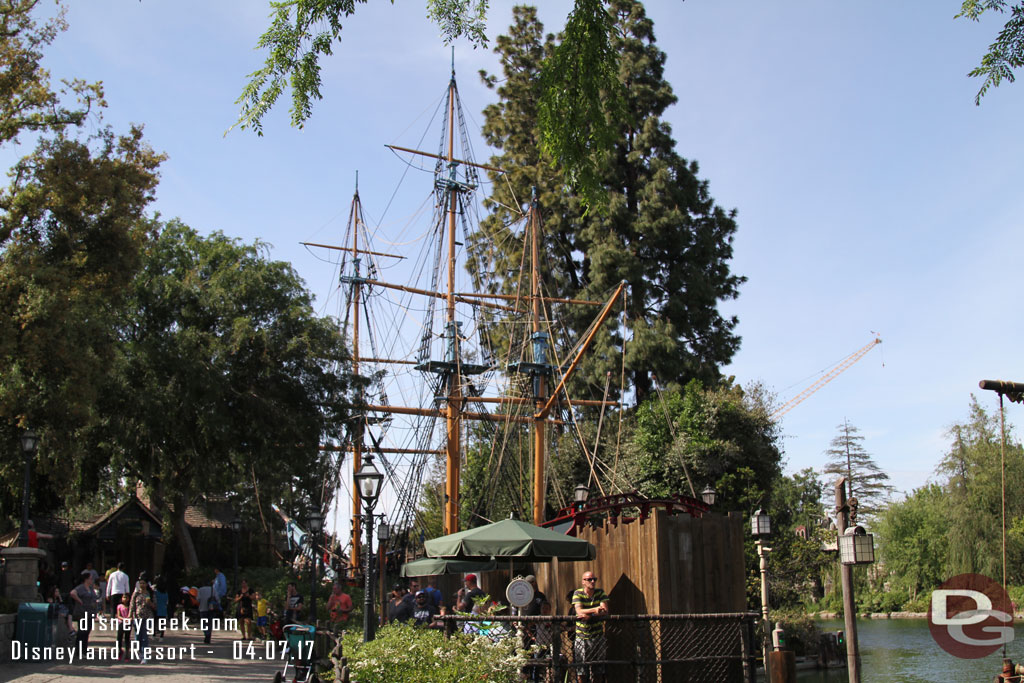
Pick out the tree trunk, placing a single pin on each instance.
(184, 534)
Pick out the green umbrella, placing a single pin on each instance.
(433, 566)
(510, 539)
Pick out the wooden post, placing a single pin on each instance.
(782, 666)
(846, 574)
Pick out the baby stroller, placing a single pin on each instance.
(299, 655)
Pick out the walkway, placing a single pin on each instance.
(225, 659)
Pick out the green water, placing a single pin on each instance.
(902, 650)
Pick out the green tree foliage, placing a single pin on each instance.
(953, 526)
(914, 539)
(725, 437)
(1007, 52)
(974, 496)
(866, 481)
(662, 232)
(797, 559)
(71, 230)
(227, 380)
(27, 98)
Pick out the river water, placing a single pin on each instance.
(903, 651)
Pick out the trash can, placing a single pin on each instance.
(37, 624)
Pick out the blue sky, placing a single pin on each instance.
(872, 194)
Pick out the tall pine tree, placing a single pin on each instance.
(866, 481)
(661, 231)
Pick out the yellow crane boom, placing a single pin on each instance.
(842, 366)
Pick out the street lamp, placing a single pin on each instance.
(236, 527)
(315, 521)
(369, 481)
(708, 495)
(580, 494)
(856, 546)
(761, 528)
(29, 441)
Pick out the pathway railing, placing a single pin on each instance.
(635, 648)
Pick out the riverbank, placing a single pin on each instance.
(826, 616)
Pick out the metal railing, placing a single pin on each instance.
(629, 648)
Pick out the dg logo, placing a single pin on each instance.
(971, 616)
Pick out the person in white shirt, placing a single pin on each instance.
(117, 585)
(205, 595)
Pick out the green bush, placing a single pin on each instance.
(406, 654)
(881, 601)
(802, 632)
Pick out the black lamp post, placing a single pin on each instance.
(29, 441)
(369, 481)
(316, 520)
(236, 526)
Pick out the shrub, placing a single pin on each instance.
(407, 654)
(802, 633)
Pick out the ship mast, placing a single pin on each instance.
(360, 416)
(540, 342)
(453, 420)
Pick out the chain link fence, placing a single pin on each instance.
(665, 648)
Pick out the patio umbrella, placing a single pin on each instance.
(510, 539)
(433, 566)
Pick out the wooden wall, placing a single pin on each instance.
(670, 564)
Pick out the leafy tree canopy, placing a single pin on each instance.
(725, 437)
(227, 380)
(28, 101)
(662, 232)
(1007, 52)
(71, 232)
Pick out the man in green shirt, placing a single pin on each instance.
(590, 604)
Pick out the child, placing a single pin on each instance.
(262, 620)
(124, 626)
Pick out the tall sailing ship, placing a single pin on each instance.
(431, 375)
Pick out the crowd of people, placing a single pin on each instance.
(152, 603)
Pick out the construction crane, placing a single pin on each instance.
(837, 370)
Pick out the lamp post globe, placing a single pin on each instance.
(708, 495)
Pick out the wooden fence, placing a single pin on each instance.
(666, 564)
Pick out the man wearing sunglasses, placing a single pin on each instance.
(590, 604)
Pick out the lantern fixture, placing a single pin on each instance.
(29, 441)
(856, 546)
(369, 481)
(581, 493)
(760, 524)
(316, 521)
(708, 495)
(236, 525)
(383, 532)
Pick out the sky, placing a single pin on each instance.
(873, 196)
